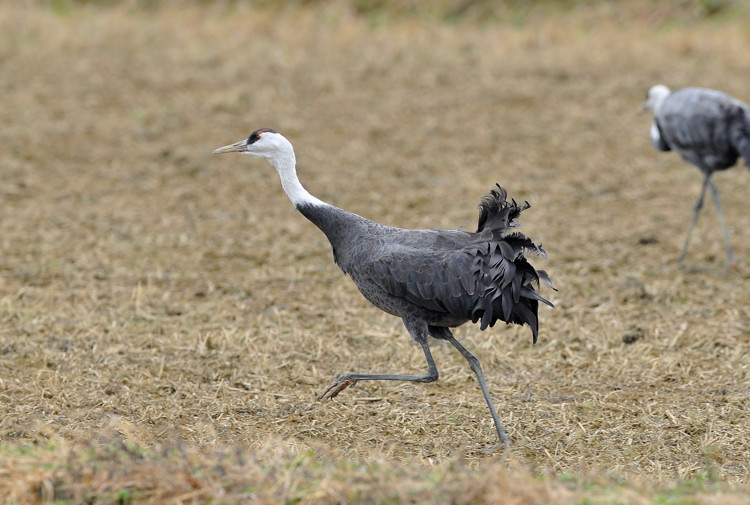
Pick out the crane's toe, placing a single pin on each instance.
(336, 387)
(503, 446)
(733, 264)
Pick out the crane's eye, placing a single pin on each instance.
(255, 136)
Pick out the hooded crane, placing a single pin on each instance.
(708, 128)
(432, 279)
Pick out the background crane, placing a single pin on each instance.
(708, 128)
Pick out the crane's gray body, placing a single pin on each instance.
(708, 128)
(442, 277)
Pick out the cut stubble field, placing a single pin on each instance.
(166, 313)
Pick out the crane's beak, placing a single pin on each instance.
(237, 147)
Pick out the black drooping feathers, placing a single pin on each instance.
(495, 213)
(501, 267)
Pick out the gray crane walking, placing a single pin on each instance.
(432, 279)
(708, 128)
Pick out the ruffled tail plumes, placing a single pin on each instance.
(500, 265)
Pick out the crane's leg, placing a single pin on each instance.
(418, 331)
(477, 368)
(717, 202)
(696, 210)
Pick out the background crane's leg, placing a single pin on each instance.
(477, 368)
(717, 202)
(696, 211)
(418, 331)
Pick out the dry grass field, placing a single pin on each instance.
(167, 319)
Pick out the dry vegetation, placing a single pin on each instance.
(167, 319)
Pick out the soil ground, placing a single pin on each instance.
(154, 294)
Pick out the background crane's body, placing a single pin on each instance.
(432, 279)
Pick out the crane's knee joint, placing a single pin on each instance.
(474, 363)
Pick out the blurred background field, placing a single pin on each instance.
(167, 319)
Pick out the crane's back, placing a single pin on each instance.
(708, 128)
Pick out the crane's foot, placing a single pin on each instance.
(503, 446)
(336, 387)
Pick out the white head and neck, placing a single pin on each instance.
(274, 147)
(655, 97)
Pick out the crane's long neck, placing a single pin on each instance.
(339, 226)
(285, 164)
